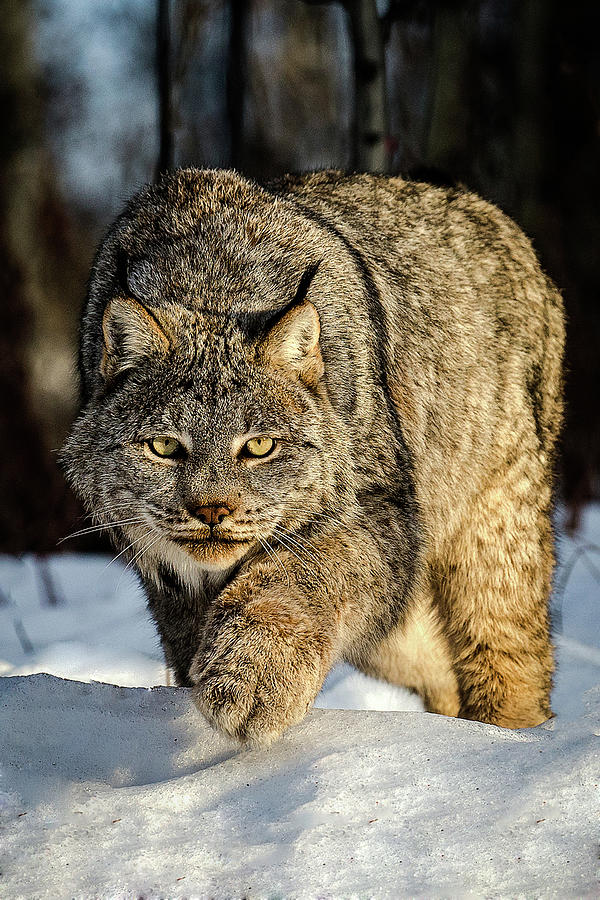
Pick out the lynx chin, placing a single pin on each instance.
(319, 417)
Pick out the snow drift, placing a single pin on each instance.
(126, 792)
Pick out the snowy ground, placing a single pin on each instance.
(124, 792)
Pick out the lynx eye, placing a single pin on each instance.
(260, 446)
(164, 446)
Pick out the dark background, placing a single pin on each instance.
(96, 96)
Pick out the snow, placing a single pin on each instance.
(124, 791)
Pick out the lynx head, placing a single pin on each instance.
(208, 434)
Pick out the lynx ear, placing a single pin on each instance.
(292, 343)
(130, 333)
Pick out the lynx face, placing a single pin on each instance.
(205, 444)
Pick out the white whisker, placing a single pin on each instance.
(144, 550)
(92, 528)
(303, 542)
(296, 542)
(273, 553)
(317, 515)
(128, 547)
(290, 549)
(140, 553)
(301, 538)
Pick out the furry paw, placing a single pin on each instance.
(253, 679)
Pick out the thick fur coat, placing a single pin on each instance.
(320, 417)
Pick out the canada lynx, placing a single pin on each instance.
(320, 416)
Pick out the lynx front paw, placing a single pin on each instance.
(253, 679)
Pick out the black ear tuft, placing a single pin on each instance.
(257, 325)
(121, 271)
(305, 283)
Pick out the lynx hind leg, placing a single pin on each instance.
(494, 591)
(416, 655)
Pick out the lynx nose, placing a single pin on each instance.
(212, 514)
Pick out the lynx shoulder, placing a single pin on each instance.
(320, 417)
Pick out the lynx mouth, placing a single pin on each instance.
(213, 546)
(211, 540)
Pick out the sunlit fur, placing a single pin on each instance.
(401, 345)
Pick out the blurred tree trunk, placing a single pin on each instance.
(447, 147)
(370, 118)
(35, 507)
(163, 73)
(236, 80)
(370, 126)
